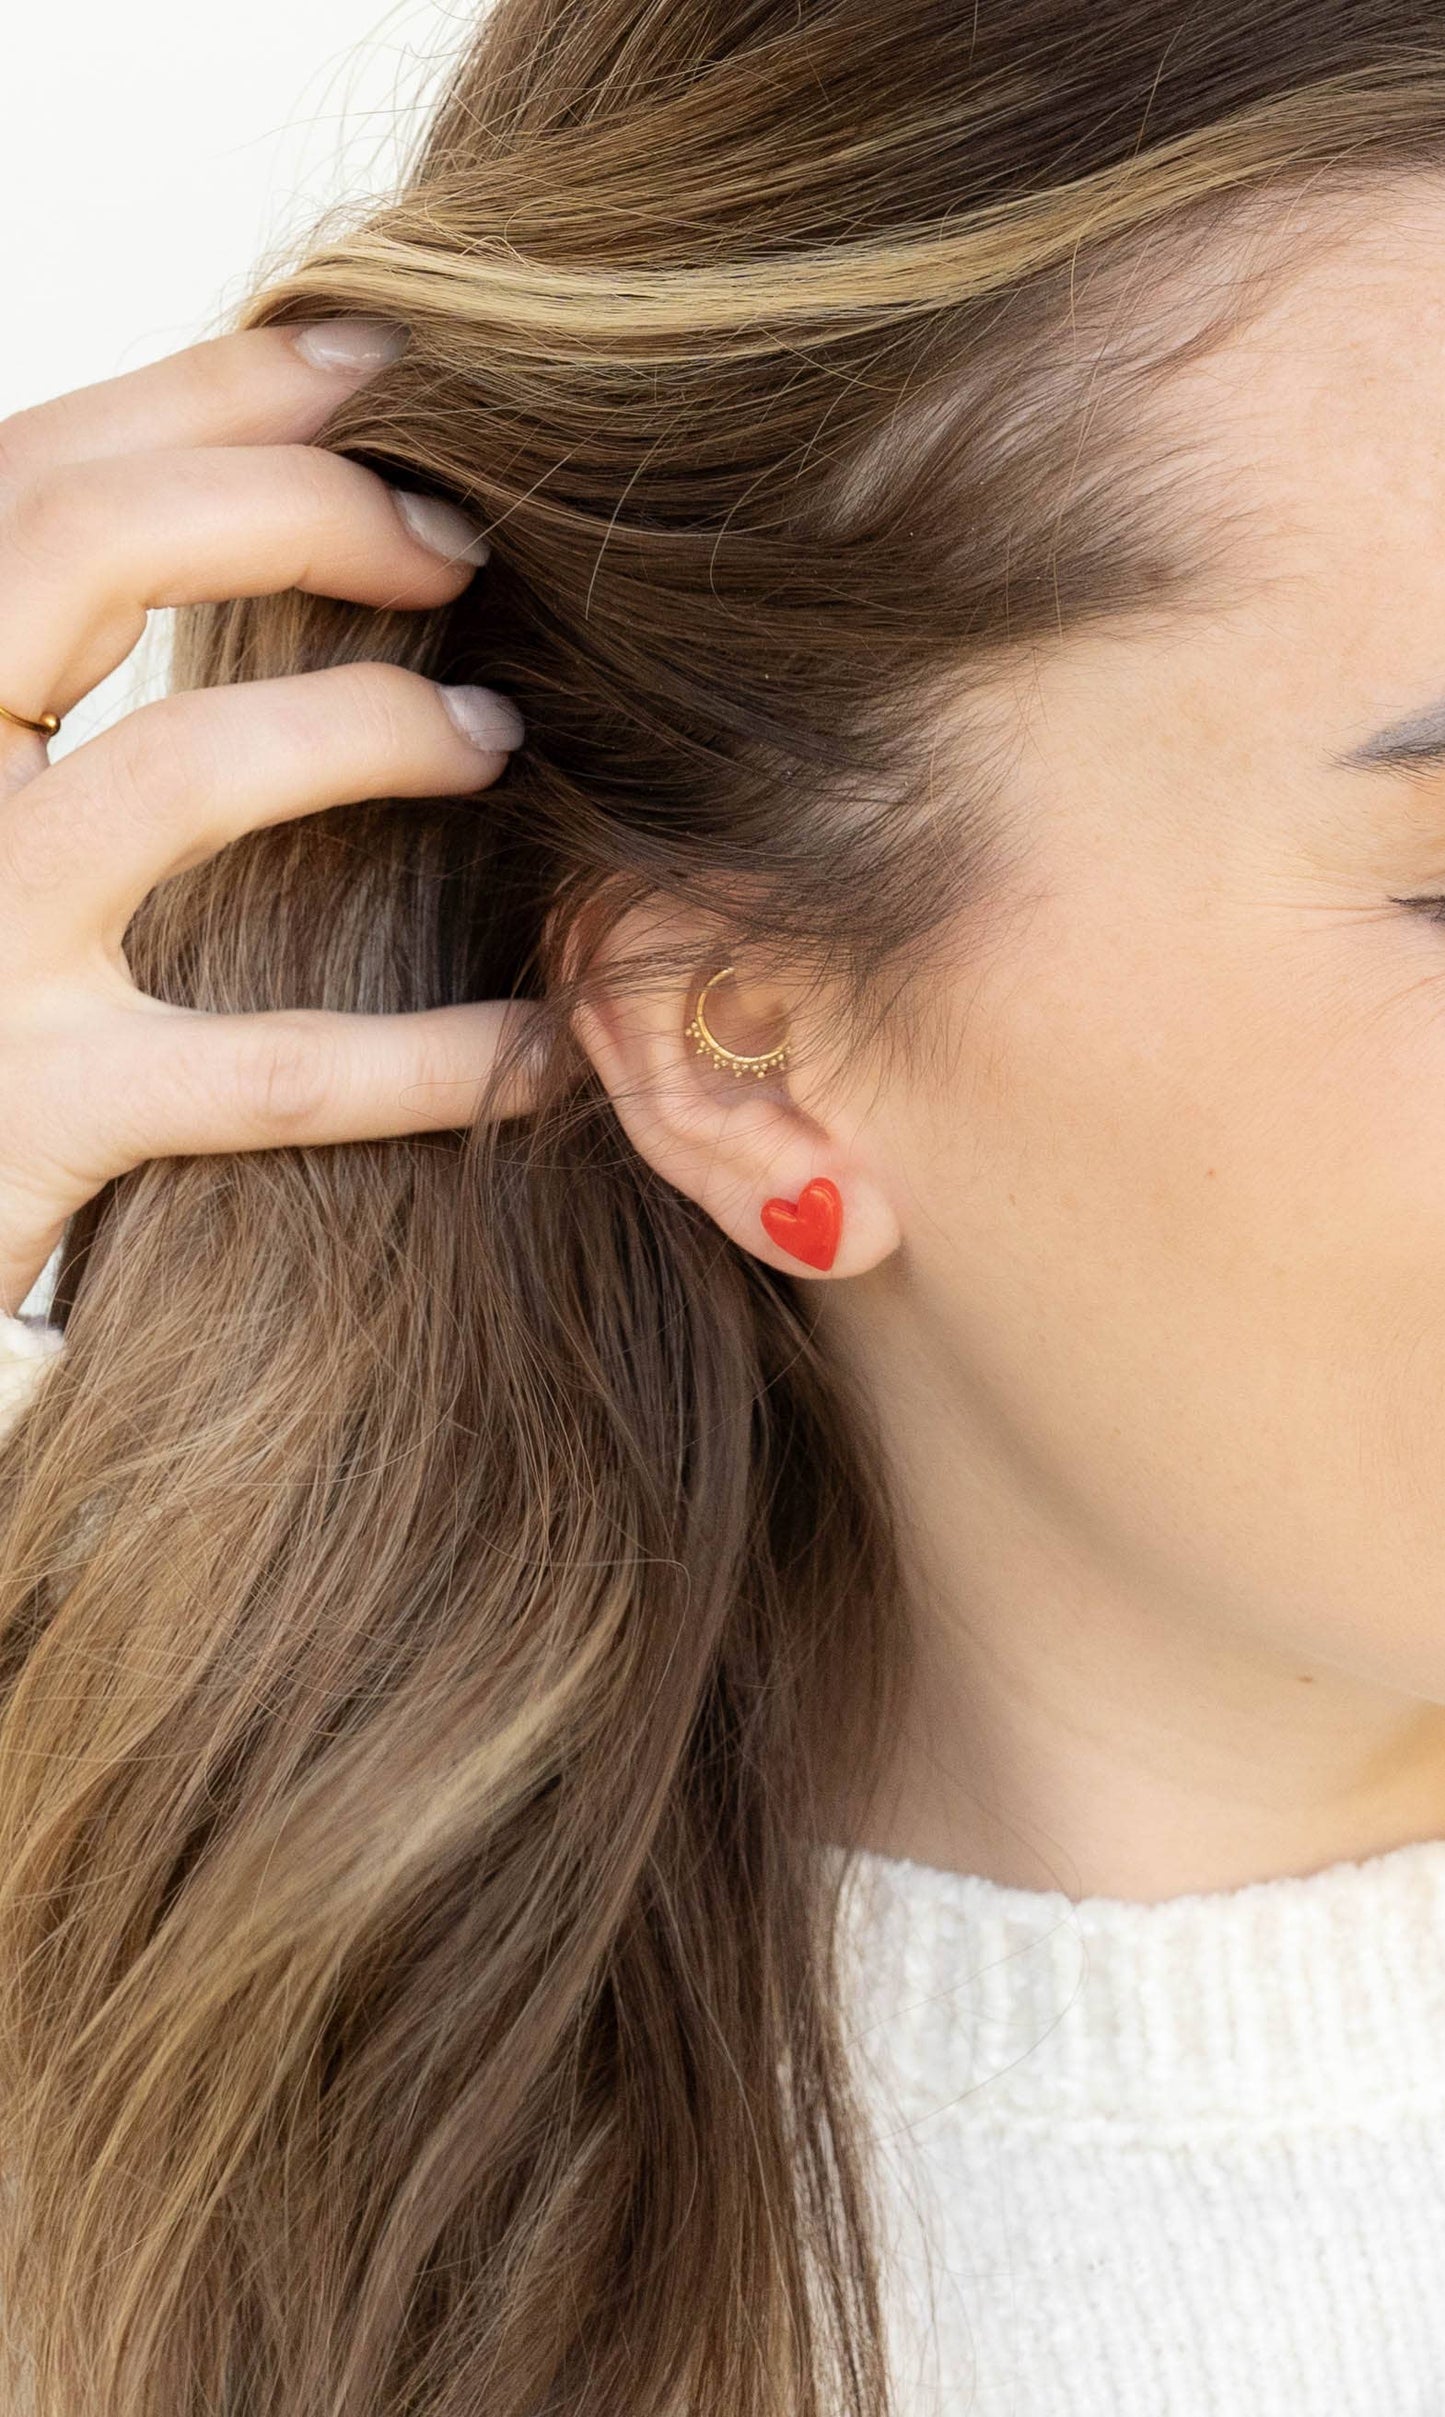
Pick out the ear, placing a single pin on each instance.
(730, 1141)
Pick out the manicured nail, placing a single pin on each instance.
(352, 343)
(441, 527)
(490, 721)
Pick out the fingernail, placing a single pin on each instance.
(354, 342)
(489, 720)
(441, 527)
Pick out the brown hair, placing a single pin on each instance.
(443, 1575)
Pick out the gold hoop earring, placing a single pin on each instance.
(47, 725)
(723, 1058)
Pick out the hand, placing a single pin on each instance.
(184, 482)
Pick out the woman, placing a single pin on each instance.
(723, 1667)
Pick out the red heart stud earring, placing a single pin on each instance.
(809, 1226)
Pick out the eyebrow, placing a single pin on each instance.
(1418, 739)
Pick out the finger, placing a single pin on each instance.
(301, 1078)
(86, 550)
(177, 779)
(255, 386)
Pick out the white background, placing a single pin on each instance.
(152, 154)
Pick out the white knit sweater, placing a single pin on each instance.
(1159, 2160)
(1173, 2160)
(26, 1344)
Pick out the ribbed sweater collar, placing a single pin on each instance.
(1309, 2001)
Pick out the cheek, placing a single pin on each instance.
(1179, 1244)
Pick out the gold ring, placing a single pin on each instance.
(47, 725)
(725, 1059)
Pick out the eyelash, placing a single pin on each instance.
(1432, 908)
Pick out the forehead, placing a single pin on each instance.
(1326, 414)
(1320, 423)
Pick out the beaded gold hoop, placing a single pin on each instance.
(723, 1058)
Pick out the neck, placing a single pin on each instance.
(1088, 1716)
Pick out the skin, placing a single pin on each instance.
(1150, 1294)
(189, 480)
